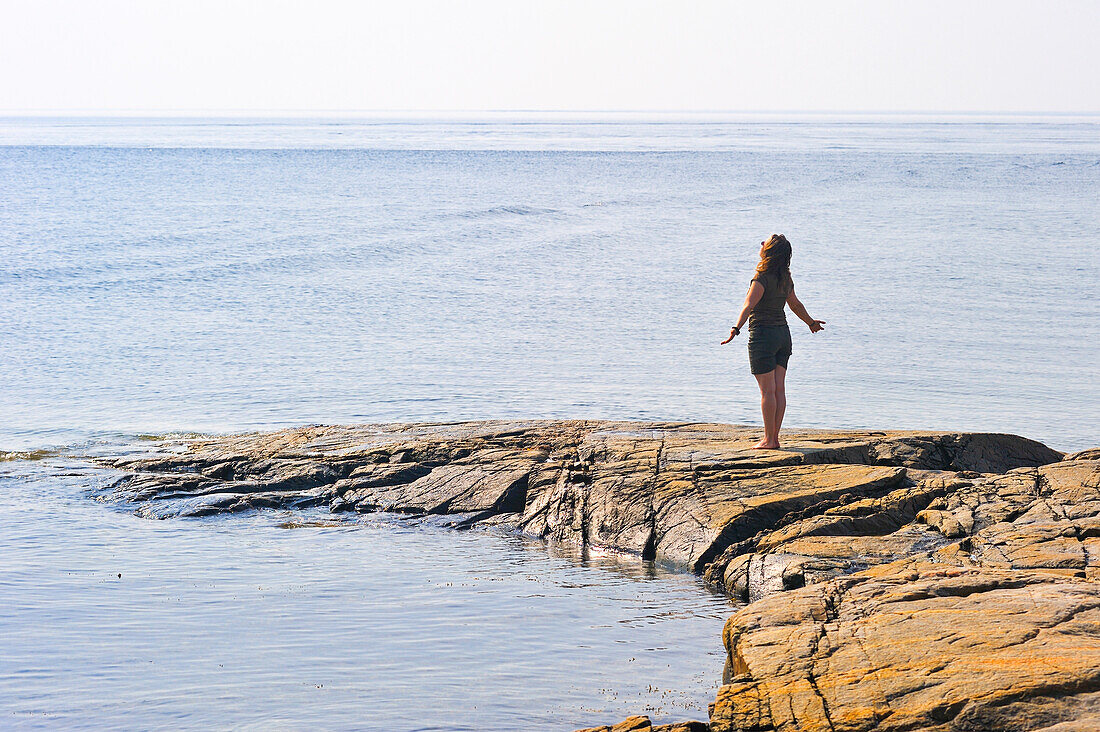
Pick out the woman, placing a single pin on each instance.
(769, 336)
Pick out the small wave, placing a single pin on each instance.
(41, 454)
(110, 441)
(504, 211)
(315, 524)
(162, 437)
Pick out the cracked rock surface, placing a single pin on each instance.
(682, 493)
(996, 629)
(894, 580)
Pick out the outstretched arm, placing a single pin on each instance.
(800, 310)
(756, 291)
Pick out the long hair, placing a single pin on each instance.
(776, 259)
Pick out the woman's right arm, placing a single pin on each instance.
(800, 310)
(756, 291)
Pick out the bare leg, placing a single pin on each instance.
(767, 410)
(780, 399)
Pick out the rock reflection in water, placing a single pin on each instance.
(295, 619)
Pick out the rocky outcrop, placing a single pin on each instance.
(998, 628)
(895, 580)
(681, 493)
(642, 724)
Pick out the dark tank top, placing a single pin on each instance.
(769, 311)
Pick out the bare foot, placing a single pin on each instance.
(765, 445)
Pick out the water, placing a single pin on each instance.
(215, 275)
(223, 275)
(295, 620)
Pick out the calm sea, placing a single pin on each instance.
(216, 275)
(219, 275)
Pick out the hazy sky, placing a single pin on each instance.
(228, 55)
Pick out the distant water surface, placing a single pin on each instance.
(238, 274)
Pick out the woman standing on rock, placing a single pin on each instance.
(769, 336)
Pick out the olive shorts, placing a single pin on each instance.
(769, 346)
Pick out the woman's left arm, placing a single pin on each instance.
(800, 310)
(756, 291)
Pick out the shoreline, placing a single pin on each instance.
(830, 541)
(500, 471)
(81, 440)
